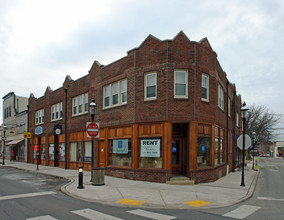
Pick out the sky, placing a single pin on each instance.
(42, 41)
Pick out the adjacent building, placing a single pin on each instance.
(15, 118)
(167, 108)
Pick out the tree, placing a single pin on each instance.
(262, 121)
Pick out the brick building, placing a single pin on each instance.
(166, 108)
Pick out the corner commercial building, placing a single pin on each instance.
(166, 108)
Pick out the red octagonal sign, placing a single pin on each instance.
(93, 129)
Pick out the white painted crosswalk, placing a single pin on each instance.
(151, 215)
(92, 214)
(242, 212)
(238, 213)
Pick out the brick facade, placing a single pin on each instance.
(171, 117)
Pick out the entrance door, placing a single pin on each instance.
(176, 156)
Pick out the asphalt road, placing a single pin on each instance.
(25, 195)
(267, 201)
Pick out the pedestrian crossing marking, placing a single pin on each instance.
(130, 202)
(26, 195)
(242, 212)
(44, 217)
(151, 215)
(94, 215)
(197, 203)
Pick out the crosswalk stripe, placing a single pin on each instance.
(151, 215)
(242, 212)
(44, 217)
(26, 195)
(269, 198)
(94, 215)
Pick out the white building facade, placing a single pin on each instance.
(15, 118)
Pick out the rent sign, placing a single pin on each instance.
(150, 147)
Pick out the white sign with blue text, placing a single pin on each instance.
(150, 148)
(120, 146)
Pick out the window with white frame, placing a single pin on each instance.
(56, 111)
(80, 104)
(39, 117)
(115, 94)
(220, 97)
(237, 119)
(205, 87)
(150, 86)
(181, 84)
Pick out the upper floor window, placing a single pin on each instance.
(237, 119)
(150, 86)
(80, 104)
(220, 97)
(39, 116)
(8, 112)
(181, 84)
(205, 87)
(115, 94)
(56, 111)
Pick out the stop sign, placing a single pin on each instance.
(93, 129)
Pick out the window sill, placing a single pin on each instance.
(56, 120)
(114, 106)
(80, 114)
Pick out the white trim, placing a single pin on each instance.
(186, 85)
(119, 93)
(76, 105)
(207, 87)
(146, 86)
(220, 97)
(56, 108)
(39, 116)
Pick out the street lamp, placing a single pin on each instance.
(244, 110)
(92, 112)
(4, 139)
(253, 146)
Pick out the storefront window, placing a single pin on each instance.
(51, 151)
(80, 150)
(203, 152)
(216, 150)
(73, 151)
(221, 151)
(119, 152)
(22, 150)
(88, 151)
(150, 153)
(43, 151)
(62, 151)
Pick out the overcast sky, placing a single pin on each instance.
(42, 41)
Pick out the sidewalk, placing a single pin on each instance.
(122, 192)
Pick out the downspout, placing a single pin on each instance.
(28, 141)
(234, 129)
(227, 137)
(65, 128)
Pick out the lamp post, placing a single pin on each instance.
(244, 110)
(92, 112)
(253, 146)
(4, 139)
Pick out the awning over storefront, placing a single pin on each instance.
(15, 142)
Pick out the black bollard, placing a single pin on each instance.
(80, 178)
